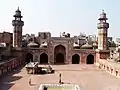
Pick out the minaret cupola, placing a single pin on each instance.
(102, 21)
(18, 14)
(102, 16)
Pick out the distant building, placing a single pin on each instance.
(118, 41)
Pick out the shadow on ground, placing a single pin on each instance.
(7, 80)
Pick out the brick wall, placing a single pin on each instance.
(10, 65)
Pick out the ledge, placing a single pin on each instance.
(110, 67)
(74, 86)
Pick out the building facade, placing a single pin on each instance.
(58, 50)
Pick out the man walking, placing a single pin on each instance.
(29, 81)
(60, 78)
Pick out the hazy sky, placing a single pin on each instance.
(73, 16)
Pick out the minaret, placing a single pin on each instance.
(102, 52)
(17, 24)
(102, 31)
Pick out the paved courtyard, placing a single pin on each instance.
(89, 77)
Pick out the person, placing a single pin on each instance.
(99, 67)
(60, 75)
(29, 81)
(60, 78)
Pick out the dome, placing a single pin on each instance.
(86, 46)
(119, 47)
(95, 44)
(32, 44)
(17, 13)
(103, 15)
(2, 44)
(43, 44)
(75, 45)
(18, 10)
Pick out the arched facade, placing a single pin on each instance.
(90, 59)
(59, 54)
(43, 58)
(75, 59)
(29, 58)
(62, 53)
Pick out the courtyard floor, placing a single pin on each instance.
(88, 77)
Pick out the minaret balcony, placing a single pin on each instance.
(102, 25)
(17, 23)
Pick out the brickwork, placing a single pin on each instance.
(6, 37)
(52, 42)
(10, 65)
(18, 24)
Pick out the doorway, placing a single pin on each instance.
(75, 59)
(43, 58)
(29, 58)
(90, 59)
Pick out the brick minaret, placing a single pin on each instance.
(102, 51)
(18, 24)
(102, 32)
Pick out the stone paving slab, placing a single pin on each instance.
(89, 77)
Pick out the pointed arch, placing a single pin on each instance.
(29, 58)
(59, 54)
(43, 58)
(90, 59)
(59, 58)
(75, 59)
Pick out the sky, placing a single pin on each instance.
(55, 16)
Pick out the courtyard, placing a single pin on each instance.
(88, 77)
